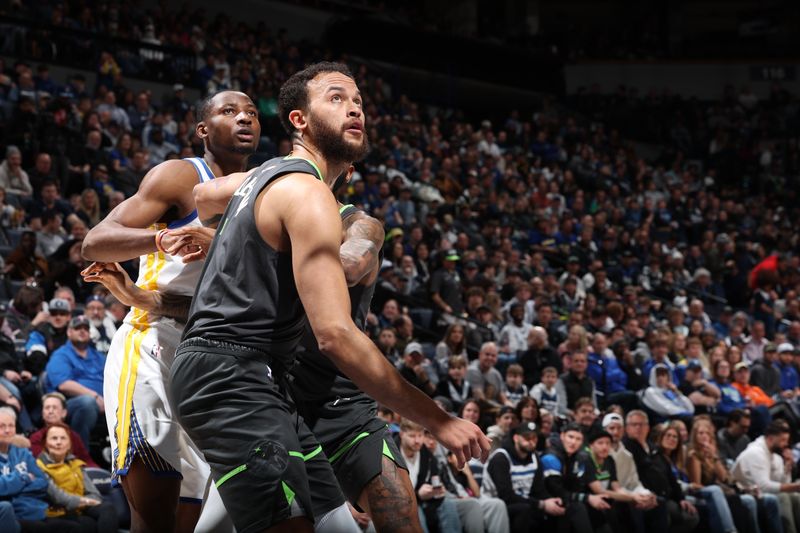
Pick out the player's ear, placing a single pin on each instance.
(201, 130)
(349, 175)
(298, 119)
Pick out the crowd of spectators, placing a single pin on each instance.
(625, 327)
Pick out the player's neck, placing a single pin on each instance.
(330, 169)
(222, 166)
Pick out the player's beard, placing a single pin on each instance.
(332, 144)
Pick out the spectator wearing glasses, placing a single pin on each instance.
(76, 371)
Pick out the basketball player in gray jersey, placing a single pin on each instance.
(273, 263)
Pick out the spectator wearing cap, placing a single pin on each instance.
(13, 178)
(754, 395)
(446, 285)
(732, 439)
(601, 479)
(694, 352)
(514, 474)
(54, 410)
(102, 326)
(722, 325)
(790, 380)
(413, 368)
(765, 373)
(76, 371)
(703, 394)
(486, 381)
(48, 336)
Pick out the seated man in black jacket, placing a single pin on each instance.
(674, 513)
(565, 478)
(514, 475)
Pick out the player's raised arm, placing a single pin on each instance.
(124, 233)
(310, 216)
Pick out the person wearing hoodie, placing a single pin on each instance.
(663, 397)
(70, 489)
(611, 382)
(565, 478)
(23, 485)
(513, 473)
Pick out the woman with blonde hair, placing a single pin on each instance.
(89, 207)
(71, 491)
(453, 343)
(708, 475)
(577, 340)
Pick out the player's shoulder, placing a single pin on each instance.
(174, 174)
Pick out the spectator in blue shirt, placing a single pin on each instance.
(23, 486)
(790, 380)
(76, 371)
(611, 382)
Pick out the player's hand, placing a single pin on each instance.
(553, 507)
(114, 278)
(464, 439)
(191, 242)
(598, 502)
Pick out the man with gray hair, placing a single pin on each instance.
(12, 178)
(485, 380)
(538, 356)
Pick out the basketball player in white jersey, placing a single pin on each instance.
(154, 460)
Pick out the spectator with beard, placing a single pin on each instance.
(102, 326)
(514, 474)
(76, 371)
(767, 464)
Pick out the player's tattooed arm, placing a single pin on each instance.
(113, 277)
(359, 251)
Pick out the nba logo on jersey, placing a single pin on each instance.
(269, 372)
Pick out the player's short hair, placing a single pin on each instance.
(294, 92)
(205, 107)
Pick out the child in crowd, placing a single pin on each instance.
(544, 392)
(455, 387)
(514, 388)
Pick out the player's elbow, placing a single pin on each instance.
(90, 246)
(332, 338)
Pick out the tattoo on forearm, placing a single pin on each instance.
(174, 306)
(212, 221)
